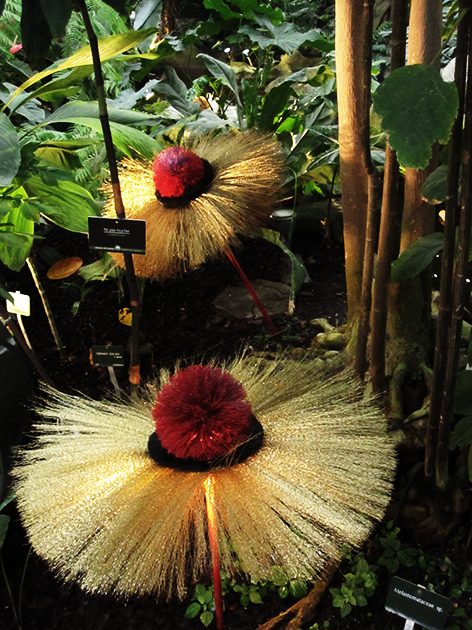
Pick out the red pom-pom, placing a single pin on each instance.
(202, 413)
(176, 170)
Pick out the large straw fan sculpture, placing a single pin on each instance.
(251, 464)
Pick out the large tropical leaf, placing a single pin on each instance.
(89, 109)
(9, 151)
(16, 239)
(417, 109)
(109, 47)
(63, 202)
(57, 15)
(417, 257)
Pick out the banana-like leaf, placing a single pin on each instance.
(89, 109)
(16, 239)
(64, 202)
(57, 15)
(9, 150)
(109, 47)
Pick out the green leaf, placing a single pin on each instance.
(129, 140)
(65, 203)
(15, 239)
(222, 71)
(361, 600)
(30, 210)
(345, 610)
(5, 295)
(35, 32)
(461, 435)
(60, 158)
(255, 597)
(9, 150)
(284, 592)
(285, 36)
(200, 593)
(175, 91)
(434, 190)
(89, 109)
(274, 105)
(462, 402)
(4, 521)
(57, 88)
(109, 47)
(417, 109)
(278, 576)
(297, 589)
(338, 601)
(299, 273)
(206, 618)
(416, 257)
(57, 15)
(193, 610)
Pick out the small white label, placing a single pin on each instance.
(21, 304)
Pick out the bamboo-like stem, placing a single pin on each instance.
(459, 285)
(47, 308)
(215, 554)
(388, 218)
(447, 262)
(360, 362)
(268, 321)
(135, 301)
(15, 331)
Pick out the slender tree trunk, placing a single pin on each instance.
(410, 301)
(438, 392)
(353, 172)
(458, 288)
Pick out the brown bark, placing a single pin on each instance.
(353, 172)
(410, 301)
(302, 612)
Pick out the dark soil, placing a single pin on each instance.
(179, 321)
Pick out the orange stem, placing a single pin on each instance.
(215, 554)
(269, 323)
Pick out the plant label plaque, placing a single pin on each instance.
(117, 235)
(417, 605)
(109, 356)
(21, 304)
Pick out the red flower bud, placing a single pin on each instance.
(176, 172)
(202, 413)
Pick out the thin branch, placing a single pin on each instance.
(135, 300)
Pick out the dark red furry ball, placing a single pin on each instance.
(177, 170)
(202, 413)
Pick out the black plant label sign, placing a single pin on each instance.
(108, 356)
(117, 235)
(417, 604)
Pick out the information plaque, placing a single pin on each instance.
(117, 235)
(109, 356)
(417, 604)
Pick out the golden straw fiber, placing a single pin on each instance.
(248, 172)
(103, 513)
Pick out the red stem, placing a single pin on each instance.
(215, 554)
(269, 323)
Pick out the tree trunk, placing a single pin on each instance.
(349, 73)
(410, 301)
